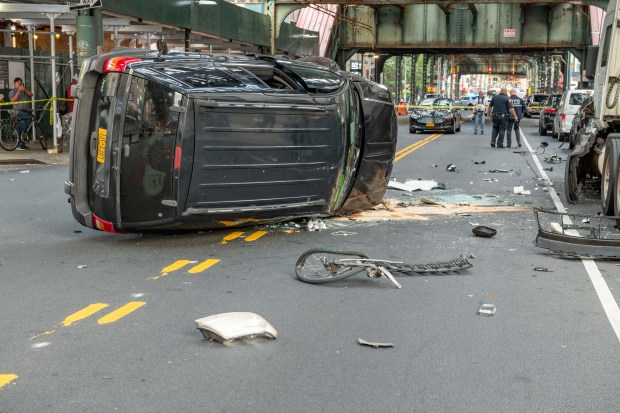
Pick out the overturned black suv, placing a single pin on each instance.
(189, 141)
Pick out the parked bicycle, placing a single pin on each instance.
(322, 265)
(9, 134)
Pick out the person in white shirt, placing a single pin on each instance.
(479, 111)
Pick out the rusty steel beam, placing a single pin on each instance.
(444, 7)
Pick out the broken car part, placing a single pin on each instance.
(373, 344)
(411, 185)
(567, 234)
(519, 190)
(226, 327)
(487, 309)
(485, 232)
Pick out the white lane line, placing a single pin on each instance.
(598, 282)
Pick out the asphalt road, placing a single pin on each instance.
(91, 322)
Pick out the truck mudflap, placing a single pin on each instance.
(576, 235)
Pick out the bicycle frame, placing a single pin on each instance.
(372, 269)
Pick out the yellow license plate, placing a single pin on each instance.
(430, 124)
(101, 139)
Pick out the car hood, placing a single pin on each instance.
(431, 112)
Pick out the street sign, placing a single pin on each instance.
(510, 32)
(83, 4)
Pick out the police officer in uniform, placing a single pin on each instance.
(499, 110)
(519, 106)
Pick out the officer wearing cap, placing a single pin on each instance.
(499, 110)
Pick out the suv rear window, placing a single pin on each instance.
(553, 100)
(577, 98)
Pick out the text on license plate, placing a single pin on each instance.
(101, 138)
(430, 124)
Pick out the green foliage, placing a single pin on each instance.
(389, 74)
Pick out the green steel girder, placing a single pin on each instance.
(598, 3)
(418, 27)
(222, 20)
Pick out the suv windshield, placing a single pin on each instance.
(442, 102)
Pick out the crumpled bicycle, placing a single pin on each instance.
(323, 265)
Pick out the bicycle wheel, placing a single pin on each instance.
(41, 138)
(9, 137)
(319, 265)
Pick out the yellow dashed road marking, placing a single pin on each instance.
(231, 237)
(83, 313)
(121, 312)
(415, 146)
(46, 333)
(255, 236)
(175, 266)
(6, 379)
(203, 266)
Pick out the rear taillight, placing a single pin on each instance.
(177, 158)
(102, 225)
(118, 64)
(563, 117)
(551, 110)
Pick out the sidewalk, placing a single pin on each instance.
(34, 155)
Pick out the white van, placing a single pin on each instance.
(567, 108)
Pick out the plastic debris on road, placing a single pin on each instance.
(451, 167)
(411, 185)
(226, 327)
(519, 190)
(485, 232)
(316, 225)
(487, 309)
(373, 344)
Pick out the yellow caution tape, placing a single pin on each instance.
(47, 102)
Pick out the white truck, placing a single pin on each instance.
(597, 143)
(595, 158)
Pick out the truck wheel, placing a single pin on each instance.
(542, 131)
(609, 174)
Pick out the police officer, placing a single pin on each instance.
(519, 106)
(499, 110)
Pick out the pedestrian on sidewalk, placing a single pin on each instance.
(20, 93)
(479, 111)
(499, 110)
(519, 106)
